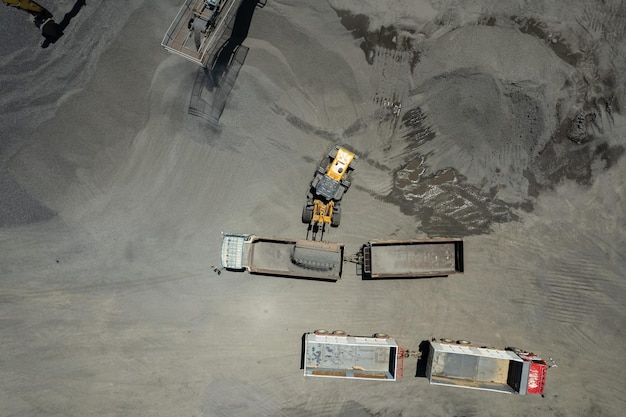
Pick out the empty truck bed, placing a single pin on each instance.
(412, 258)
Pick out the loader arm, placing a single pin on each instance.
(43, 18)
(322, 212)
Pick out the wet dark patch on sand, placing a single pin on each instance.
(540, 30)
(563, 160)
(418, 131)
(487, 20)
(489, 156)
(448, 204)
(387, 37)
(444, 203)
(496, 126)
(357, 24)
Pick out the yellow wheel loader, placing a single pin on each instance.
(330, 182)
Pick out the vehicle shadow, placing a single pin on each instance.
(215, 81)
(241, 26)
(422, 361)
(52, 34)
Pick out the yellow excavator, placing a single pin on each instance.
(43, 18)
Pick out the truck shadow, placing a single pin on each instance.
(302, 350)
(215, 81)
(241, 26)
(422, 361)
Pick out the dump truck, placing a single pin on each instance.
(282, 257)
(411, 258)
(339, 355)
(331, 181)
(463, 364)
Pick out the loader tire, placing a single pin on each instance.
(307, 214)
(335, 220)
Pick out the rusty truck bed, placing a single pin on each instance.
(275, 256)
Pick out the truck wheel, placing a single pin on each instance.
(321, 331)
(335, 220)
(463, 342)
(339, 333)
(380, 336)
(307, 214)
(514, 349)
(446, 340)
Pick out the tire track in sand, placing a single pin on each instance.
(572, 278)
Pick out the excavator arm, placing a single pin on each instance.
(43, 18)
(31, 7)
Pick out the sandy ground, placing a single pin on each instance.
(112, 199)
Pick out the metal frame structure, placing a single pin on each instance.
(191, 41)
(464, 365)
(338, 355)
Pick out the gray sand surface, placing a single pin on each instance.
(112, 199)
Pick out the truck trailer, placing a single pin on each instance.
(462, 364)
(339, 355)
(324, 260)
(282, 257)
(411, 258)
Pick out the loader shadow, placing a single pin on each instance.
(55, 34)
(214, 83)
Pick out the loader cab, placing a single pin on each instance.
(340, 165)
